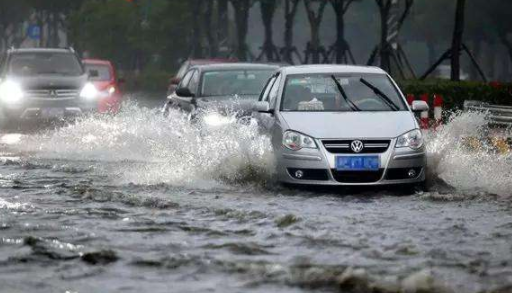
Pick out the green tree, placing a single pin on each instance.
(133, 34)
(290, 10)
(429, 23)
(342, 48)
(12, 16)
(385, 9)
(53, 15)
(269, 50)
(499, 15)
(241, 8)
(315, 20)
(107, 29)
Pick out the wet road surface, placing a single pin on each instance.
(137, 203)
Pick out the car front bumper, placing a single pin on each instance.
(47, 109)
(318, 167)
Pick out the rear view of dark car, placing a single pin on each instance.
(43, 84)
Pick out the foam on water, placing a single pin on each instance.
(151, 149)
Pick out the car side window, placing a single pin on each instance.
(266, 89)
(274, 90)
(194, 82)
(186, 79)
(183, 70)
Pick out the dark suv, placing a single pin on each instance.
(43, 84)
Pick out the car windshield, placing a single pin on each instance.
(98, 72)
(234, 82)
(41, 63)
(320, 92)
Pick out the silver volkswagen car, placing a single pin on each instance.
(341, 125)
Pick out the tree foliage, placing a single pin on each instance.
(132, 35)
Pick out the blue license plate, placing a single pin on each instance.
(357, 163)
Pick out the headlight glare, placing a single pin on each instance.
(296, 141)
(215, 119)
(10, 92)
(89, 92)
(412, 139)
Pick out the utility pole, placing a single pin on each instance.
(457, 39)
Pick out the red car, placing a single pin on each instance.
(173, 83)
(103, 75)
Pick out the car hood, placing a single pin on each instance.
(350, 124)
(240, 105)
(51, 81)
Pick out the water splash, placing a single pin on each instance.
(472, 171)
(153, 149)
(146, 148)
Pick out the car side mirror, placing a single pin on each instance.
(184, 92)
(419, 106)
(262, 107)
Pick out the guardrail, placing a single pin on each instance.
(497, 115)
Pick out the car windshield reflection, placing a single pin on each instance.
(340, 93)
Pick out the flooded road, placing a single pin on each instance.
(137, 202)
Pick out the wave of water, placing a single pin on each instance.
(472, 170)
(154, 149)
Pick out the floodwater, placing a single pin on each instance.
(141, 203)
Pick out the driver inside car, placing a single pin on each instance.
(300, 98)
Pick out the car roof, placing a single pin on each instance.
(97, 61)
(330, 68)
(235, 66)
(195, 62)
(41, 50)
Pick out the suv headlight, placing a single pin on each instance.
(296, 141)
(89, 92)
(412, 139)
(10, 92)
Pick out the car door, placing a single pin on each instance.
(185, 103)
(266, 121)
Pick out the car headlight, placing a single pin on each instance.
(412, 139)
(10, 92)
(215, 119)
(89, 92)
(296, 141)
(107, 93)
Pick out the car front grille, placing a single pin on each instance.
(357, 176)
(57, 94)
(369, 146)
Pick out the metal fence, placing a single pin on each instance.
(496, 114)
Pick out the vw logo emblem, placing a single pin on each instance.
(357, 146)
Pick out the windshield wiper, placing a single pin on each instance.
(379, 93)
(344, 94)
